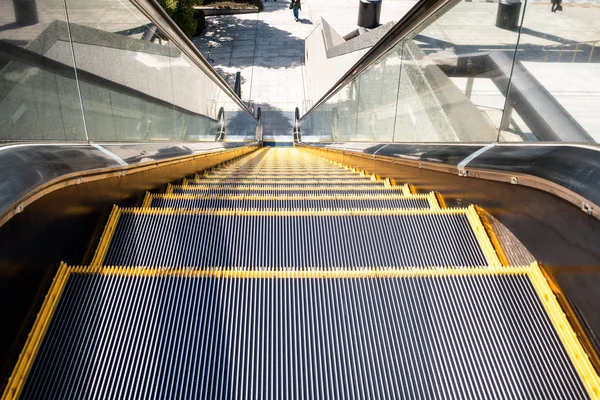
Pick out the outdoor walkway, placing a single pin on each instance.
(268, 47)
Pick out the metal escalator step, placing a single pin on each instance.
(299, 177)
(287, 191)
(459, 334)
(301, 239)
(297, 188)
(287, 182)
(289, 202)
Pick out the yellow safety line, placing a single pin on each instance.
(394, 196)
(440, 199)
(412, 189)
(147, 200)
(107, 235)
(260, 175)
(169, 189)
(404, 189)
(293, 213)
(433, 203)
(375, 178)
(482, 238)
(278, 181)
(184, 182)
(308, 273)
(579, 358)
(493, 237)
(32, 345)
(572, 317)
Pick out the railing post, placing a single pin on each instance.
(469, 88)
(506, 117)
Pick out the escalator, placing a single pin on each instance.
(281, 274)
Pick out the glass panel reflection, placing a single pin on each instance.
(555, 85)
(39, 100)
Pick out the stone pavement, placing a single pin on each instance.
(105, 15)
(268, 47)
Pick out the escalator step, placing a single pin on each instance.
(296, 189)
(284, 182)
(281, 191)
(297, 239)
(289, 202)
(186, 335)
(284, 178)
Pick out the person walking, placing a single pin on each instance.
(296, 7)
(556, 5)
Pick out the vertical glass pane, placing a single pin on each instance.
(126, 76)
(194, 99)
(346, 112)
(321, 124)
(377, 99)
(450, 86)
(555, 85)
(38, 92)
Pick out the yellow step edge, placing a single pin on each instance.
(278, 181)
(308, 273)
(147, 200)
(441, 200)
(169, 188)
(432, 199)
(32, 345)
(404, 189)
(323, 212)
(107, 235)
(182, 196)
(482, 238)
(572, 318)
(579, 357)
(260, 175)
(491, 233)
(184, 182)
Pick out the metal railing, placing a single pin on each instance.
(577, 48)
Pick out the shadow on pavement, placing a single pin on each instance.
(232, 41)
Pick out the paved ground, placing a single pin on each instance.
(105, 15)
(268, 47)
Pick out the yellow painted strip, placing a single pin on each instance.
(493, 237)
(391, 196)
(482, 237)
(262, 176)
(412, 189)
(107, 235)
(305, 274)
(579, 358)
(405, 190)
(32, 345)
(441, 200)
(184, 182)
(572, 317)
(147, 200)
(169, 188)
(402, 188)
(433, 203)
(278, 181)
(292, 213)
